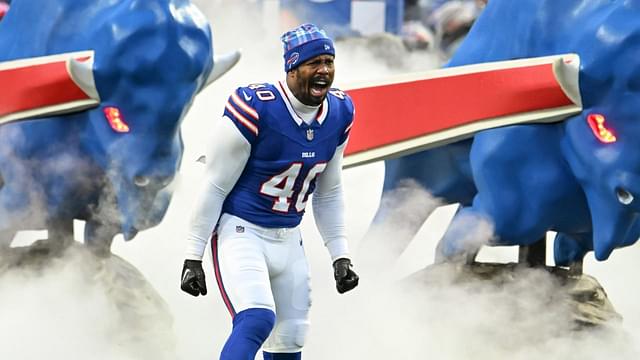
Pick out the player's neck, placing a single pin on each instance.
(306, 112)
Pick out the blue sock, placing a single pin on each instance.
(282, 356)
(251, 328)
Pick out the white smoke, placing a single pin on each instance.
(79, 306)
(407, 208)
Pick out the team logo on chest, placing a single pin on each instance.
(310, 134)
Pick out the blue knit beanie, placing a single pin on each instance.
(303, 43)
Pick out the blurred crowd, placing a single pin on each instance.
(438, 24)
(432, 25)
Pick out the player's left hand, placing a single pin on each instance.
(346, 279)
(193, 281)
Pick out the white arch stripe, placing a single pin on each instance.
(243, 120)
(249, 110)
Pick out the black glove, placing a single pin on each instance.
(346, 279)
(193, 278)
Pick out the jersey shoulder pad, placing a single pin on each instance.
(254, 96)
(342, 99)
(339, 94)
(345, 112)
(259, 92)
(244, 108)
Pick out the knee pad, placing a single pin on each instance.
(288, 336)
(255, 323)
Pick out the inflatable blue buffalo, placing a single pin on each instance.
(113, 162)
(579, 177)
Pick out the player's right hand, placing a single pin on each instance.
(193, 278)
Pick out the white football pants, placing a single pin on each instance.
(259, 267)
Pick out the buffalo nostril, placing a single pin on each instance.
(624, 197)
(141, 181)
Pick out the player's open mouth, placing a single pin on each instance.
(318, 87)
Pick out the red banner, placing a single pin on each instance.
(44, 85)
(419, 111)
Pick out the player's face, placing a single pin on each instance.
(311, 80)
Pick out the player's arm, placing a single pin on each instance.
(328, 210)
(328, 207)
(226, 158)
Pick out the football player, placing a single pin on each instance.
(275, 146)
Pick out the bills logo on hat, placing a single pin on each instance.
(303, 43)
(293, 59)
